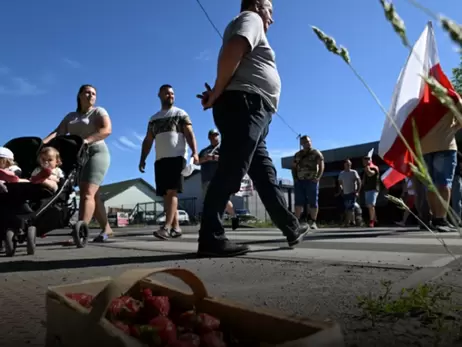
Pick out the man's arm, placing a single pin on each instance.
(203, 157)
(190, 138)
(358, 183)
(246, 34)
(369, 172)
(321, 166)
(147, 144)
(294, 167)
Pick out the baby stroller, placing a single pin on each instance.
(29, 210)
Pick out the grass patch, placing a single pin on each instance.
(433, 306)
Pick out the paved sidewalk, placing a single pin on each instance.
(310, 289)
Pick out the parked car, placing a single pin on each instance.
(183, 218)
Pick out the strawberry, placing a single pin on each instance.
(165, 328)
(201, 323)
(84, 300)
(207, 323)
(192, 339)
(124, 308)
(179, 343)
(122, 326)
(155, 306)
(213, 339)
(146, 293)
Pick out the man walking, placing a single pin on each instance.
(171, 128)
(349, 185)
(371, 186)
(208, 159)
(244, 99)
(307, 170)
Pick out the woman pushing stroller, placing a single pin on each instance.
(93, 125)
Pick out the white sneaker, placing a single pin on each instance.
(313, 226)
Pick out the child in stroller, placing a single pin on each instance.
(29, 209)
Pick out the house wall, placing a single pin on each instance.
(192, 188)
(137, 193)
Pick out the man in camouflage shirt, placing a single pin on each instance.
(307, 170)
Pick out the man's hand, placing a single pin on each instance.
(195, 156)
(142, 166)
(208, 97)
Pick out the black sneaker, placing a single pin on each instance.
(298, 236)
(234, 223)
(443, 226)
(223, 248)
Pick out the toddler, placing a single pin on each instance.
(48, 173)
(9, 171)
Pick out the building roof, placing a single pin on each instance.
(108, 191)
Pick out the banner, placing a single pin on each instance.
(246, 187)
(122, 219)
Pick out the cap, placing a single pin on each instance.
(6, 153)
(214, 132)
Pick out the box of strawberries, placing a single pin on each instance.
(134, 310)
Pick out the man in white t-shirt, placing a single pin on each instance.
(171, 129)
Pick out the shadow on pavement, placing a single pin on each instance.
(43, 265)
(313, 237)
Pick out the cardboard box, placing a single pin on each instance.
(69, 324)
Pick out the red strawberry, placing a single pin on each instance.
(122, 326)
(207, 323)
(193, 339)
(201, 323)
(188, 320)
(165, 328)
(213, 339)
(156, 305)
(124, 308)
(146, 293)
(182, 344)
(83, 299)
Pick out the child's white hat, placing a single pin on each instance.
(6, 153)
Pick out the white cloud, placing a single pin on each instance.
(282, 153)
(119, 146)
(138, 136)
(72, 63)
(21, 87)
(205, 55)
(48, 78)
(128, 143)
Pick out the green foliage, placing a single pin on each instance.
(457, 77)
(432, 305)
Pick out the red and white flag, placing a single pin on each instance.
(412, 100)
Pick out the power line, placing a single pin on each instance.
(221, 36)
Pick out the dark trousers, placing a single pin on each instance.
(421, 203)
(243, 120)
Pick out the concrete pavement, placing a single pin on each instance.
(305, 286)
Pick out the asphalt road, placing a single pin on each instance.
(305, 285)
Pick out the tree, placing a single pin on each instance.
(457, 77)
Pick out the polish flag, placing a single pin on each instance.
(412, 100)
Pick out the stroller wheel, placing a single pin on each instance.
(10, 243)
(31, 239)
(80, 234)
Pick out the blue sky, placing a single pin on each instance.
(128, 49)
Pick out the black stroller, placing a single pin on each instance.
(29, 210)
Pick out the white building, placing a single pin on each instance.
(193, 189)
(126, 195)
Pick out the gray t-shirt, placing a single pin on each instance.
(349, 180)
(209, 168)
(83, 125)
(257, 72)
